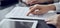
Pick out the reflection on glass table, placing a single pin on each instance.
(10, 23)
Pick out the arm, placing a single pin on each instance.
(55, 5)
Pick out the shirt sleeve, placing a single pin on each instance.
(57, 6)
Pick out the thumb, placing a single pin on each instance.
(49, 22)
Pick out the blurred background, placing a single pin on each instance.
(6, 6)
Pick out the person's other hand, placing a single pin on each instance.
(52, 20)
(30, 2)
(58, 22)
(39, 9)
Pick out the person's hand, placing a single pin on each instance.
(58, 22)
(30, 2)
(52, 20)
(39, 9)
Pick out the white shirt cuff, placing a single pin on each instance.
(57, 6)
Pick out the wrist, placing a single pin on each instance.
(52, 7)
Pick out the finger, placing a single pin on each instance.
(49, 23)
(33, 2)
(36, 12)
(32, 9)
(29, 12)
(42, 12)
(48, 20)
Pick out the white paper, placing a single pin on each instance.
(21, 12)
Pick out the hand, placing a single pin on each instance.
(37, 1)
(31, 2)
(42, 9)
(52, 20)
(58, 22)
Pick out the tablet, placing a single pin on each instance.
(21, 12)
(10, 23)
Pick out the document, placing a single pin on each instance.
(21, 12)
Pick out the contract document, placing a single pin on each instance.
(21, 12)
